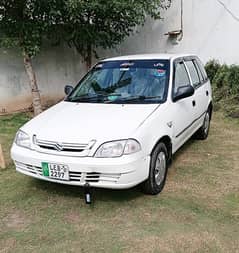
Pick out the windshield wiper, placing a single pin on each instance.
(87, 97)
(138, 98)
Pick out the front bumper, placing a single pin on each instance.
(114, 173)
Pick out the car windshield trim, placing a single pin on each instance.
(89, 97)
(124, 82)
(136, 99)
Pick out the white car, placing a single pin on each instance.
(121, 124)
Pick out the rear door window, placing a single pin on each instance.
(193, 73)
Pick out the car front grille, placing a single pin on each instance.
(101, 177)
(74, 176)
(65, 149)
(29, 168)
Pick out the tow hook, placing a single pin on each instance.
(88, 194)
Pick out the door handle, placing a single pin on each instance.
(207, 93)
(194, 103)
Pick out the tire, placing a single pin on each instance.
(203, 131)
(157, 171)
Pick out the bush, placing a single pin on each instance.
(225, 84)
(233, 79)
(212, 68)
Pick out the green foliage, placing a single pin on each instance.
(102, 23)
(24, 23)
(83, 24)
(212, 67)
(233, 79)
(221, 77)
(225, 83)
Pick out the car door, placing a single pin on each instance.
(183, 109)
(201, 95)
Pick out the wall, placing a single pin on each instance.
(210, 31)
(54, 67)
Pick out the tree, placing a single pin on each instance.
(24, 24)
(83, 24)
(101, 23)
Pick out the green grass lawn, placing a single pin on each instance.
(198, 211)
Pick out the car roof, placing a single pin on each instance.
(148, 57)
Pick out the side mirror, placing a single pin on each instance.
(183, 92)
(68, 89)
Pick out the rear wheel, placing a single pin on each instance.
(203, 131)
(157, 171)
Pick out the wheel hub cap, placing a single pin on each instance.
(206, 123)
(160, 168)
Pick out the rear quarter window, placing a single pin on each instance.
(203, 71)
(199, 71)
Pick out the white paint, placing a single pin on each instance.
(74, 123)
(209, 32)
(54, 67)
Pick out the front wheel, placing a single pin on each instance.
(157, 171)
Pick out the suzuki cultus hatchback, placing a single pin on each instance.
(120, 125)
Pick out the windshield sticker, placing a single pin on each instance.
(159, 72)
(124, 69)
(127, 64)
(158, 65)
(99, 66)
(112, 97)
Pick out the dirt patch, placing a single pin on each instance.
(24, 103)
(7, 245)
(184, 242)
(190, 158)
(16, 221)
(73, 217)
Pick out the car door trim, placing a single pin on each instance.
(186, 128)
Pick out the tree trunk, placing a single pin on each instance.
(36, 98)
(2, 161)
(89, 57)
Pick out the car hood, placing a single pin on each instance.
(83, 122)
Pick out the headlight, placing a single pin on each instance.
(118, 148)
(22, 139)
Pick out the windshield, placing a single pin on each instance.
(139, 81)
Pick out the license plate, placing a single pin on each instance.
(55, 171)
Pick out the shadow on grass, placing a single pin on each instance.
(186, 147)
(98, 194)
